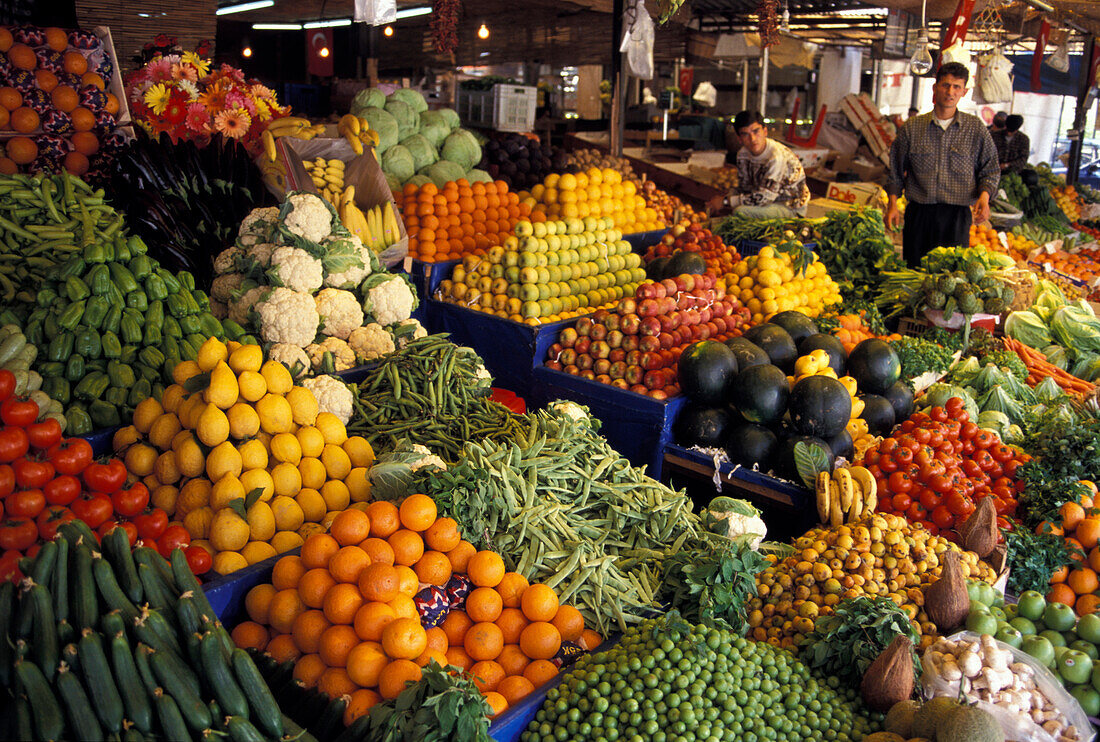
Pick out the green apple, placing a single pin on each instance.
(1040, 648)
(1088, 628)
(1086, 647)
(1096, 676)
(1025, 627)
(1059, 616)
(1009, 635)
(1055, 638)
(973, 591)
(1074, 666)
(1089, 699)
(1011, 611)
(998, 613)
(981, 622)
(1031, 605)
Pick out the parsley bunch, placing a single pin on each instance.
(845, 643)
(437, 708)
(714, 585)
(1034, 557)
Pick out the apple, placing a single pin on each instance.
(685, 282)
(630, 342)
(598, 332)
(685, 302)
(554, 350)
(649, 343)
(571, 370)
(600, 349)
(655, 379)
(634, 374)
(554, 365)
(666, 339)
(568, 337)
(671, 390)
(616, 355)
(627, 305)
(719, 309)
(612, 322)
(584, 326)
(584, 362)
(668, 305)
(630, 323)
(1074, 666)
(601, 366)
(615, 338)
(568, 357)
(671, 289)
(587, 374)
(652, 361)
(639, 388)
(600, 316)
(619, 383)
(703, 332)
(583, 344)
(633, 357)
(704, 315)
(650, 326)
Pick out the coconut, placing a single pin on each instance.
(884, 737)
(979, 532)
(929, 716)
(899, 719)
(889, 679)
(946, 601)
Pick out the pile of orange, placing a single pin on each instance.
(853, 331)
(343, 610)
(595, 192)
(983, 235)
(1018, 247)
(460, 219)
(1078, 587)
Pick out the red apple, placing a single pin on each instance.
(568, 357)
(671, 288)
(588, 374)
(633, 358)
(654, 379)
(603, 378)
(568, 337)
(650, 326)
(600, 349)
(615, 339)
(571, 370)
(658, 394)
(601, 366)
(584, 325)
(627, 305)
(554, 350)
(634, 374)
(668, 305)
(598, 332)
(666, 339)
(685, 282)
(554, 365)
(630, 323)
(703, 332)
(719, 309)
(600, 316)
(616, 355)
(630, 342)
(705, 314)
(612, 322)
(639, 388)
(584, 362)
(619, 383)
(649, 343)
(652, 361)
(583, 344)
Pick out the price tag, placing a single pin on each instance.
(407, 264)
(1003, 239)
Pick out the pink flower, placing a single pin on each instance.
(197, 118)
(160, 70)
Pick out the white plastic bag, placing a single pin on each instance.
(955, 53)
(637, 41)
(994, 78)
(375, 12)
(706, 94)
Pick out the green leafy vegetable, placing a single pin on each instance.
(919, 356)
(714, 585)
(438, 708)
(1033, 558)
(856, 251)
(848, 641)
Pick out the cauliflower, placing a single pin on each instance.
(226, 262)
(429, 458)
(407, 330)
(347, 262)
(241, 307)
(225, 285)
(572, 410)
(371, 342)
(340, 312)
(342, 355)
(483, 379)
(740, 519)
(258, 226)
(389, 299)
(288, 317)
(309, 217)
(291, 356)
(253, 261)
(219, 309)
(332, 396)
(295, 269)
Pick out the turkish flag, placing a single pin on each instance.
(687, 76)
(319, 51)
(960, 23)
(1037, 60)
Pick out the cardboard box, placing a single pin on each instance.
(819, 207)
(856, 194)
(879, 136)
(811, 157)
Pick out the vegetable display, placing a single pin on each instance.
(855, 250)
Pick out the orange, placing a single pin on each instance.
(287, 572)
(432, 654)
(365, 662)
(433, 568)
(350, 527)
(282, 648)
(1072, 514)
(455, 626)
(457, 656)
(418, 512)
(284, 608)
(359, 703)
(342, 602)
(1077, 549)
(1083, 581)
(249, 635)
(22, 150)
(76, 163)
(24, 120)
(395, 676)
(1094, 558)
(10, 98)
(57, 39)
(404, 638)
(483, 604)
(83, 119)
(407, 545)
(569, 622)
(22, 57)
(335, 683)
(442, 535)
(112, 104)
(437, 638)
(484, 641)
(511, 588)
(346, 564)
(257, 600)
(539, 602)
(5, 116)
(74, 62)
(379, 582)
(540, 671)
(590, 640)
(511, 622)
(514, 688)
(93, 79)
(1061, 593)
(1059, 575)
(460, 556)
(336, 643)
(64, 98)
(540, 640)
(496, 703)
(307, 630)
(408, 582)
(486, 675)
(1085, 605)
(6, 39)
(308, 669)
(1088, 532)
(486, 569)
(371, 618)
(378, 550)
(384, 519)
(512, 659)
(318, 549)
(404, 607)
(313, 587)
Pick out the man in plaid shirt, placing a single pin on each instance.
(1013, 146)
(945, 163)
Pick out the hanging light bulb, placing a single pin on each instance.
(483, 32)
(246, 52)
(324, 52)
(387, 31)
(785, 21)
(921, 61)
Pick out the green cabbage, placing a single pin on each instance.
(384, 123)
(418, 180)
(998, 400)
(1020, 391)
(1014, 434)
(990, 376)
(1057, 355)
(462, 147)
(1027, 328)
(411, 98)
(434, 118)
(450, 118)
(422, 151)
(994, 420)
(1048, 390)
(1087, 367)
(963, 372)
(408, 120)
(444, 172)
(479, 176)
(436, 134)
(399, 163)
(367, 98)
(1076, 328)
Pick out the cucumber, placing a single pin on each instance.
(180, 668)
(60, 583)
(194, 650)
(242, 730)
(77, 531)
(265, 711)
(188, 613)
(220, 678)
(112, 623)
(293, 731)
(66, 634)
(195, 713)
(111, 591)
(145, 673)
(331, 720)
(98, 679)
(134, 695)
(147, 632)
(83, 603)
(133, 735)
(150, 557)
(82, 719)
(48, 721)
(156, 594)
(186, 581)
(7, 607)
(70, 656)
(44, 562)
(44, 642)
(116, 547)
(23, 724)
(156, 620)
(172, 724)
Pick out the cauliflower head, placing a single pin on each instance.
(332, 396)
(242, 306)
(371, 342)
(429, 458)
(255, 259)
(308, 217)
(295, 269)
(225, 286)
(219, 309)
(226, 262)
(291, 356)
(258, 226)
(288, 317)
(347, 262)
(407, 330)
(733, 518)
(340, 312)
(343, 357)
(389, 298)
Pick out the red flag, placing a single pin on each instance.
(960, 23)
(319, 51)
(1037, 59)
(687, 76)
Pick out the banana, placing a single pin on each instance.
(824, 496)
(337, 181)
(287, 126)
(318, 129)
(332, 169)
(390, 229)
(836, 514)
(356, 144)
(350, 124)
(369, 136)
(374, 221)
(319, 183)
(868, 485)
(268, 142)
(843, 481)
(856, 511)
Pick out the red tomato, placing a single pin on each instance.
(888, 445)
(70, 456)
(152, 524)
(9, 562)
(956, 502)
(954, 406)
(31, 473)
(174, 537)
(7, 480)
(18, 533)
(943, 517)
(971, 468)
(908, 426)
(888, 464)
(7, 384)
(930, 499)
(131, 502)
(50, 519)
(940, 483)
(105, 478)
(984, 439)
(19, 412)
(876, 472)
(62, 490)
(904, 456)
(1001, 452)
(1010, 468)
(13, 443)
(968, 431)
(922, 435)
(900, 483)
(915, 512)
(198, 559)
(44, 434)
(93, 509)
(901, 503)
(939, 414)
(25, 503)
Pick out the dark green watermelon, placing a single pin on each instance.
(760, 393)
(705, 370)
(698, 425)
(685, 261)
(748, 353)
(776, 342)
(901, 397)
(751, 445)
(784, 463)
(657, 269)
(797, 325)
(879, 414)
(838, 356)
(819, 406)
(874, 365)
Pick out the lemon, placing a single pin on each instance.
(228, 562)
(313, 472)
(224, 459)
(284, 541)
(213, 427)
(286, 448)
(331, 428)
(257, 551)
(288, 513)
(358, 483)
(225, 490)
(311, 441)
(769, 279)
(308, 529)
(336, 495)
(253, 454)
(184, 371)
(287, 479)
(125, 437)
(164, 496)
(359, 451)
(163, 429)
(303, 405)
(146, 412)
(330, 516)
(210, 353)
(244, 421)
(275, 413)
(278, 378)
(252, 386)
(194, 494)
(172, 396)
(336, 461)
(311, 503)
(246, 358)
(261, 521)
(228, 531)
(258, 479)
(197, 522)
(140, 459)
(222, 390)
(189, 410)
(165, 469)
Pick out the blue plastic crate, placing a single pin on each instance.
(100, 440)
(639, 241)
(797, 496)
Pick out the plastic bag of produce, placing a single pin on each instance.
(972, 665)
(1076, 328)
(1028, 328)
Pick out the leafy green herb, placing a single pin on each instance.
(950, 340)
(856, 251)
(462, 492)
(919, 356)
(1034, 557)
(810, 460)
(1066, 449)
(438, 708)
(714, 585)
(848, 641)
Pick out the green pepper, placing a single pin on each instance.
(46, 297)
(172, 327)
(148, 372)
(151, 357)
(76, 289)
(200, 299)
(122, 248)
(155, 288)
(98, 279)
(138, 392)
(33, 333)
(211, 326)
(79, 422)
(103, 415)
(123, 278)
(116, 396)
(248, 340)
(177, 307)
(72, 267)
(57, 387)
(50, 326)
(129, 354)
(74, 368)
(61, 347)
(197, 340)
(189, 323)
(51, 369)
(113, 319)
(114, 296)
(96, 312)
(232, 330)
(141, 266)
(88, 344)
(112, 346)
(120, 374)
(96, 364)
(170, 281)
(153, 335)
(137, 300)
(92, 386)
(186, 280)
(130, 326)
(99, 252)
(189, 302)
(171, 348)
(137, 245)
(154, 316)
(70, 318)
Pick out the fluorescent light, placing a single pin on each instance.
(243, 7)
(276, 26)
(327, 24)
(413, 12)
(143, 15)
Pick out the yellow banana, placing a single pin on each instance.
(269, 145)
(348, 196)
(287, 126)
(356, 145)
(337, 181)
(390, 228)
(374, 222)
(369, 136)
(350, 124)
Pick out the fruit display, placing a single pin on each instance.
(376, 228)
(297, 274)
(725, 178)
(593, 193)
(984, 236)
(845, 495)
(689, 241)
(247, 461)
(54, 97)
(460, 219)
(272, 166)
(519, 160)
(669, 208)
(782, 277)
(1068, 201)
(548, 270)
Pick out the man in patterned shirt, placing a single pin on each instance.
(1013, 146)
(945, 162)
(771, 183)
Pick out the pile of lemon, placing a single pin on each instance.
(242, 457)
(596, 193)
(767, 284)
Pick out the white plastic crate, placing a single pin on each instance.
(504, 108)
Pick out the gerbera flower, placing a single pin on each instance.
(263, 111)
(197, 118)
(202, 66)
(234, 123)
(190, 88)
(157, 98)
(175, 111)
(160, 69)
(262, 91)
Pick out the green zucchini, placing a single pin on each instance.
(44, 562)
(134, 695)
(242, 730)
(111, 591)
(145, 673)
(78, 707)
(85, 606)
(220, 678)
(112, 623)
(156, 594)
(171, 720)
(265, 711)
(116, 547)
(98, 679)
(44, 642)
(195, 713)
(60, 584)
(48, 721)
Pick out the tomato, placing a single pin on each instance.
(151, 524)
(888, 445)
(44, 434)
(62, 490)
(888, 464)
(93, 509)
(899, 483)
(909, 442)
(915, 512)
(876, 472)
(920, 418)
(70, 456)
(984, 439)
(870, 458)
(971, 468)
(901, 503)
(908, 426)
(25, 503)
(130, 502)
(1010, 468)
(9, 562)
(930, 499)
(939, 414)
(954, 405)
(18, 533)
(50, 519)
(30, 473)
(1001, 452)
(968, 431)
(1004, 524)
(19, 412)
(7, 480)
(7, 384)
(943, 517)
(904, 455)
(940, 483)
(956, 502)
(922, 435)
(937, 468)
(174, 537)
(968, 448)
(198, 559)
(984, 460)
(105, 478)
(13, 444)
(937, 439)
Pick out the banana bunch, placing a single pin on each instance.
(328, 176)
(288, 126)
(274, 173)
(846, 496)
(377, 226)
(358, 132)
